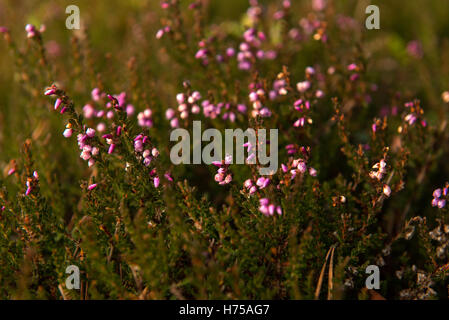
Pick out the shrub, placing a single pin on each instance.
(362, 145)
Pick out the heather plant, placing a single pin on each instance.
(88, 179)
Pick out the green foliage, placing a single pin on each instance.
(193, 238)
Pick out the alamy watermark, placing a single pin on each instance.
(255, 145)
(373, 20)
(72, 281)
(73, 20)
(372, 281)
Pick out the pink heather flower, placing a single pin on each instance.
(90, 132)
(303, 86)
(262, 182)
(91, 162)
(159, 33)
(180, 98)
(252, 190)
(184, 114)
(196, 109)
(11, 171)
(293, 173)
(201, 54)
(144, 118)
(291, 149)
(50, 92)
(271, 209)
(434, 202)
(230, 52)
(228, 179)
(138, 145)
(110, 114)
(101, 127)
(318, 5)
(92, 186)
(170, 113)
(299, 123)
(248, 183)
(414, 48)
(310, 70)
(147, 161)
(352, 67)
(410, 118)
(4, 29)
(387, 190)
(219, 177)
(264, 202)
(265, 112)
(264, 209)
(279, 210)
(85, 155)
(297, 103)
(130, 109)
(312, 172)
(253, 97)
(154, 152)
(195, 96)
(68, 132)
(241, 108)
(57, 103)
(156, 181)
(28, 191)
(31, 30)
(168, 176)
(284, 168)
(441, 203)
(111, 148)
(88, 111)
(302, 167)
(437, 193)
(96, 94)
(174, 123)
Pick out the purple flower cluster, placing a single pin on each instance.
(144, 150)
(251, 187)
(250, 49)
(144, 118)
(380, 169)
(269, 209)
(438, 201)
(257, 97)
(32, 31)
(298, 166)
(89, 152)
(223, 176)
(190, 103)
(31, 183)
(101, 108)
